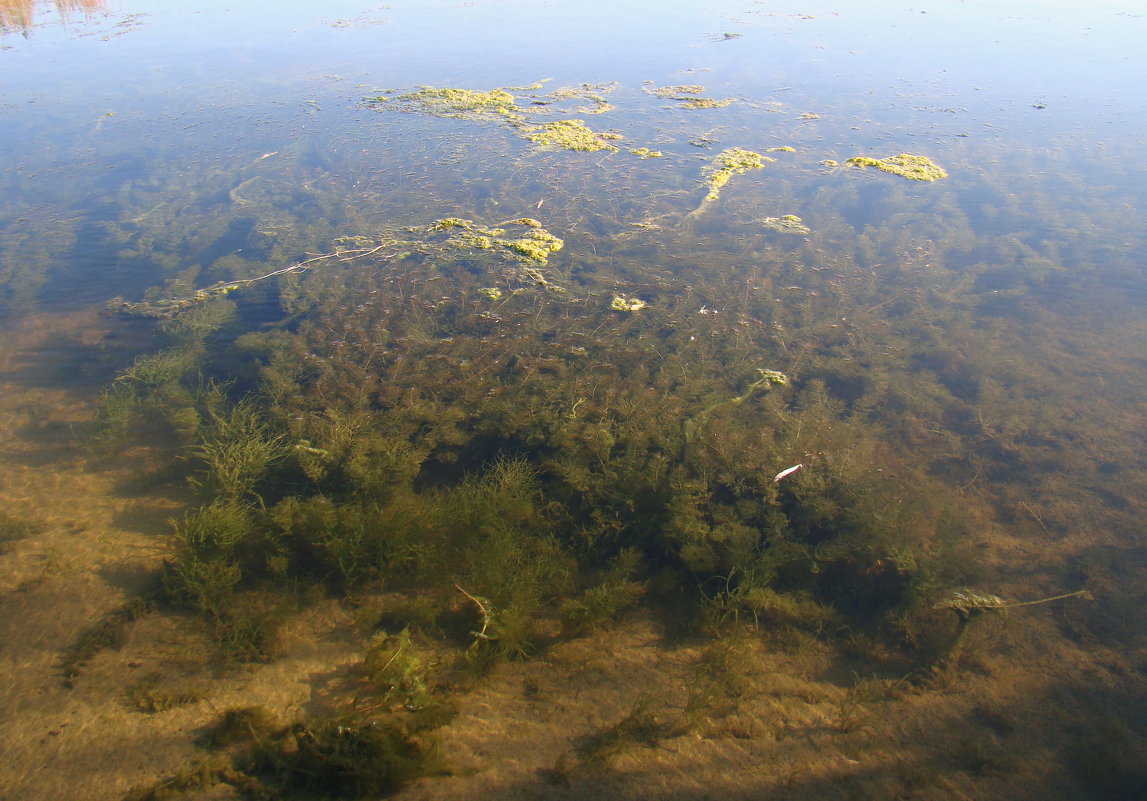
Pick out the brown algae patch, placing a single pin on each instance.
(914, 168)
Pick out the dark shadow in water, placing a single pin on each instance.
(982, 751)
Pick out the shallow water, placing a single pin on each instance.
(963, 357)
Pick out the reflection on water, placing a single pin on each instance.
(21, 14)
(593, 378)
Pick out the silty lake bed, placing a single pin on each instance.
(523, 400)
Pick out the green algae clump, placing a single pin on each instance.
(534, 244)
(462, 103)
(726, 164)
(646, 153)
(568, 135)
(623, 304)
(787, 224)
(914, 168)
(688, 96)
(703, 102)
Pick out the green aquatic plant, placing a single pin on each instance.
(768, 379)
(915, 168)
(236, 449)
(615, 592)
(393, 665)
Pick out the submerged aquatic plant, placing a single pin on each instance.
(967, 603)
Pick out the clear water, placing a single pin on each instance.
(985, 331)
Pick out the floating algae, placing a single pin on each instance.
(703, 102)
(646, 153)
(726, 164)
(592, 94)
(528, 248)
(688, 96)
(787, 224)
(623, 304)
(500, 106)
(568, 135)
(914, 168)
(467, 104)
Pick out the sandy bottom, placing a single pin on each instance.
(1002, 722)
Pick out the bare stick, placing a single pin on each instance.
(481, 635)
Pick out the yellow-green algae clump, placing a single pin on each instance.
(726, 164)
(463, 103)
(534, 244)
(623, 304)
(688, 96)
(787, 224)
(914, 168)
(499, 105)
(568, 135)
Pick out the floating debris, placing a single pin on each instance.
(788, 471)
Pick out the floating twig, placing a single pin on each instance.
(966, 602)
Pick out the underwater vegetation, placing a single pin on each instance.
(491, 437)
